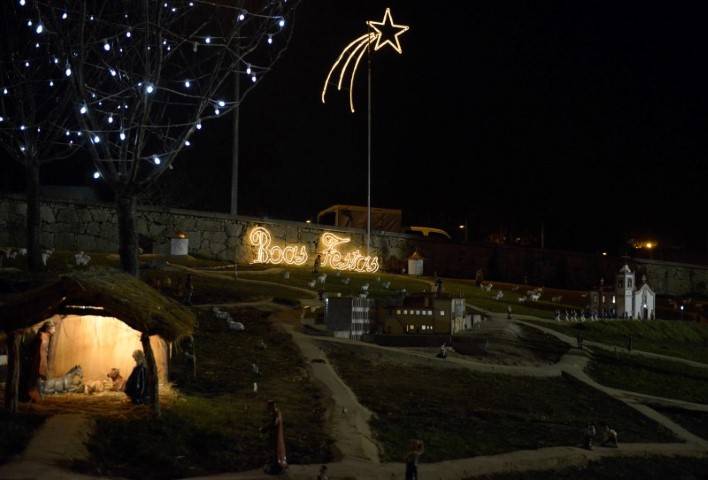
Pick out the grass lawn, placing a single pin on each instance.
(301, 277)
(459, 413)
(645, 468)
(16, 431)
(214, 426)
(216, 288)
(481, 298)
(693, 421)
(675, 338)
(662, 378)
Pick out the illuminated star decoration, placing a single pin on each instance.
(384, 33)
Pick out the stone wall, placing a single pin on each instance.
(68, 225)
(73, 225)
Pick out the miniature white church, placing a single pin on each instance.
(632, 302)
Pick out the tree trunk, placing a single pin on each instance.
(12, 384)
(34, 255)
(127, 235)
(153, 380)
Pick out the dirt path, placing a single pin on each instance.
(520, 461)
(59, 441)
(349, 419)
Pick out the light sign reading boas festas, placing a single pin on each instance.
(354, 261)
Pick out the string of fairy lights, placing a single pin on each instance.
(144, 77)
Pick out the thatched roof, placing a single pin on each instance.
(105, 293)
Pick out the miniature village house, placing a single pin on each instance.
(426, 314)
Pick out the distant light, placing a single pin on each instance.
(461, 227)
(221, 103)
(199, 126)
(67, 72)
(122, 135)
(22, 2)
(207, 40)
(253, 79)
(241, 17)
(217, 111)
(107, 46)
(64, 16)
(113, 72)
(187, 143)
(39, 29)
(27, 64)
(149, 89)
(270, 39)
(308, 221)
(156, 160)
(128, 34)
(248, 70)
(96, 175)
(110, 119)
(96, 139)
(51, 83)
(23, 128)
(2, 119)
(649, 245)
(187, 83)
(281, 23)
(681, 308)
(83, 110)
(604, 254)
(4, 91)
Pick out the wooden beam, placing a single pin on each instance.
(153, 379)
(12, 385)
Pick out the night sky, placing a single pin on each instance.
(590, 118)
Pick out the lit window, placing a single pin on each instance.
(405, 312)
(442, 313)
(430, 312)
(417, 312)
(398, 312)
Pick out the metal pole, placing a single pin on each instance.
(368, 199)
(235, 151)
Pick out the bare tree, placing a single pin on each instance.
(147, 75)
(34, 105)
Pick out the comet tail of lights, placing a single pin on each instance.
(356, 50)
(353, 261)
(265, 252)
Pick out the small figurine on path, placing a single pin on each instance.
(318, 263)
(590, 433)
(443, 351)
(508, 312)
(610, 437)
(415, 450)
(323, 473)
(276, 441)
(579, 339)
(629, 343)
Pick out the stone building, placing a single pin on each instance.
(632, 302)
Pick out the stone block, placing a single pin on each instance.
(46, 240)
(86, 242)
(67, 215)
(21, 209)
(93, 229)
(46, 214)
(209, 225)
(65, 241)
(234, 229)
